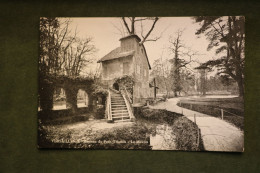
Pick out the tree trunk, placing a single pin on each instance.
(46, 97)
(175, 94)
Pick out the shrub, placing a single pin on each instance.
(186, 132)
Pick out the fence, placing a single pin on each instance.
(226, 115)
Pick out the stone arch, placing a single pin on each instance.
(116, 86)
(59, 98)
(82, 98)
(70, 85)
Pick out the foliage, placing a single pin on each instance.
(62, 59)
(227, 34)
(186, 131)
(70, 84)
(126, 82)
(76, 82)
(110, 138)
(62, 53)
(49, 45)
(98, 90)
(221, 83)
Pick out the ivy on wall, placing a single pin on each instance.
(126, 82)
(71, 86)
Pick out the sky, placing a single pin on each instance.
(106, 36)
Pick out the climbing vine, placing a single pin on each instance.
(71, 86)
(126, 82)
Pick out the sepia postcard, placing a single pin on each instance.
(142, 83)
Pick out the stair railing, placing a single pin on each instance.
(108, 107)
(128, 105)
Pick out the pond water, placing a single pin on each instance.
(163, 139)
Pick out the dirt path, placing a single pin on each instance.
(217, 134)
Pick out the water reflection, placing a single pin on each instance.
(163, 139)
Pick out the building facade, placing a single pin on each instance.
(128, 59)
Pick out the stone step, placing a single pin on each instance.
(121, 117)
(116, 114)
(122, 104)
(122, 111)
(119, 105)
(119, 108)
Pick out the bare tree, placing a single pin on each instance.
(180, 55)
(61, 52)
(161, 71)
(77, 55)
(131, 25)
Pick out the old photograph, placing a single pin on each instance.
(141, 83)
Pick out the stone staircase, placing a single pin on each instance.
(119, 110)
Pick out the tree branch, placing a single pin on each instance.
(151, 29)
(126, 25)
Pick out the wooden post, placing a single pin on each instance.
(195, 118)
(190, 106)
(222, 114)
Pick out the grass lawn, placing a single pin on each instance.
(233, 108)
(95, 135)
(98, 134)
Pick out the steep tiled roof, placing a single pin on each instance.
(116, 53)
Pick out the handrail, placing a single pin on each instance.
(128, 106)
(128, 96)
(109, 115)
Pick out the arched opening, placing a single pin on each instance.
(82, 99)
(59, 99)
(116, 86)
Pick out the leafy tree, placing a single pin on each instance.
(48, 45)
(227, 35)
(187, 81)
